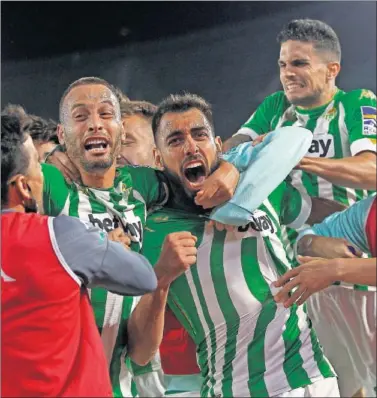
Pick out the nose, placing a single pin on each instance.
(288, 71)
(190, 146)
(95, 123)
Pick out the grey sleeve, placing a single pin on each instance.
(99, 262)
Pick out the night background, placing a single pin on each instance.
(223, 51)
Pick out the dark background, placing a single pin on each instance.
(223, 51)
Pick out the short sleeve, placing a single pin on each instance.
(359, 115)
(260, 121)
(151, 184)
(295, 207)
(55, 190)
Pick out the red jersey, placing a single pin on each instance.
(49, 341)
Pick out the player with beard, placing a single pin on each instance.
(116, 200)
(49, 341)
(247, 345)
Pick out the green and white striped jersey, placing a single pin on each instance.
(125, 204)
(342, 128)
(247, 345)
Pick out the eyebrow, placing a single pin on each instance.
(178, 132)
(78, 105)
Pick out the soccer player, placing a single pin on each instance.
(335, 247)
(50, 343)
(341, 162)
(247, 345)
(109, 198)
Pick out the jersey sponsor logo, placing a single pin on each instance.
(134, 228)
(6, 277)
(322, 147)
(369, 120)
(260, 222)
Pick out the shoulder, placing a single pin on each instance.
(361, 96)
(276, 98)
(51, 172)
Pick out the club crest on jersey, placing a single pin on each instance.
(330, 114)
(259, 222)
(322, 147)
(369, 120)
(125, 192)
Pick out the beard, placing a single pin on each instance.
(179, 188)
(77, 155)
(307, 100)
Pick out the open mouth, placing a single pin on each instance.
(96, 145)
(195, 172)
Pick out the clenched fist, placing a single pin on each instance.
(177, 255)
(118, 235)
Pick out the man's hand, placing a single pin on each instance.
(118, 235)
(220, 226)
(61, 161)
(321, 246)
(219, 187)
(177, 255)
(259, 139)
(312, 276)
(322, 208)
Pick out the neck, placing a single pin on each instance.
(324, 99)
(99, 180)
(18, 208)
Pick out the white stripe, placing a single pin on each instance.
(111, 321)
(274, 347)
(125, 377)
(346, 151)
(202, 319)
(58, 253)
(84, 208)
(244, 302)
(247, 131)
(364, 144)
(65, 210)
(208, 289)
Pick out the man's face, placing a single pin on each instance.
(43, 149)
(34, 177)
(138, 143)
(189, 152)
(303, 73)
(92, 127)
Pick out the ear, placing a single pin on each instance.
(158, 158)
(333, 69)
(21, 187)
(60, 133)
(219, 144)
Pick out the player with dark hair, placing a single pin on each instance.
(246, 344)
(138, 141)
(340, 164)
(43, 133)
(49, 341)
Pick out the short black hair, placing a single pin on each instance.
(181, 103)
(41, 130)
(144, 108)
(14, 158)
(84, 81)
(313, 31)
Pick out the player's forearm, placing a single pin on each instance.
(356, 270)
(234, 141)
(357, 172)
(146, 326)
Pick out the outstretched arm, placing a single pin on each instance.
(263, 168)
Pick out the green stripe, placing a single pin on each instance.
(295, 373)
(205, 362)
(98, 298)
(260, 290)
(74, 202)
(227, 308)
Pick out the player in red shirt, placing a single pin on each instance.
(50, 344)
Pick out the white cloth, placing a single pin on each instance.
(321, 388)
(345, 322)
